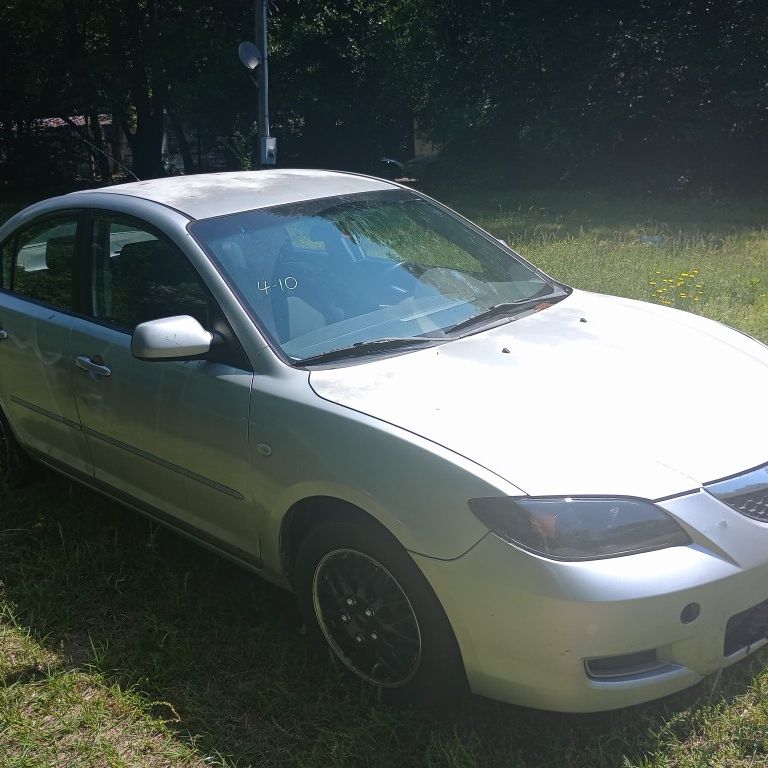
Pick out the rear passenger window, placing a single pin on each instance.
(138, 276)
(42, 268)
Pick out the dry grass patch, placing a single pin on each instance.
(74, 719)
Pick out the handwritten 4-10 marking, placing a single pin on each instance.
(284, 284)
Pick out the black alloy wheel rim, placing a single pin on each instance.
(366, 618)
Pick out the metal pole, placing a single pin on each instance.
(267, 145)
(263, 70)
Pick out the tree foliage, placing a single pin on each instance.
(589, 88)
(673, 91)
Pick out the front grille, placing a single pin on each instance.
(746, 628)
(747, 493)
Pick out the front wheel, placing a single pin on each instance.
(362, 596)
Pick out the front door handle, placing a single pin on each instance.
(94, 364)
(3, 335)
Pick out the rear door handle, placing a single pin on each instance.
(94, 365)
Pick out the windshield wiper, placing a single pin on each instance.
(361, 348)
(507, 308)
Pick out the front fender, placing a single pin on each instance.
(416, 489)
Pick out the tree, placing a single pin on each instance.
(669, 92)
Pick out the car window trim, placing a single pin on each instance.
(10, 240)
(90, 256)
(237, 357)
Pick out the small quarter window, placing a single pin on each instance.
(45, 254)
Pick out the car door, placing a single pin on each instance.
(170, 436)
(38, 303)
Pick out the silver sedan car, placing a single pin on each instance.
(458, 464)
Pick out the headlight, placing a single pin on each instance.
(580, 528)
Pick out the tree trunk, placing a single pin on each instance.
(146, 141)
(99, 160)
(178, 130)
(148, 96)
(101, 157)
(147, 145)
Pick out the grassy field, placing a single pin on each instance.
(121, 645)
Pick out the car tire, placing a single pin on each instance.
(16, 468)
(362, 596)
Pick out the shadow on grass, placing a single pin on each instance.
(219, 647)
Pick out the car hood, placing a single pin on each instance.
(595, 395)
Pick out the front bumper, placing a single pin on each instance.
(527, 626)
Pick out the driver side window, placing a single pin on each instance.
(139, 276)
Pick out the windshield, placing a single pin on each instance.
(342, 272)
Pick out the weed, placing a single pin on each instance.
(681, 291)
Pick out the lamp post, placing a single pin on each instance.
(256, 57)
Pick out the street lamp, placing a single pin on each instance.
(255, 58)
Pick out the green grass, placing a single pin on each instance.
(123, 646)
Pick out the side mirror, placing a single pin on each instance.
(170, 338)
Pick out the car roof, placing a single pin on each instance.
(205, 195)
